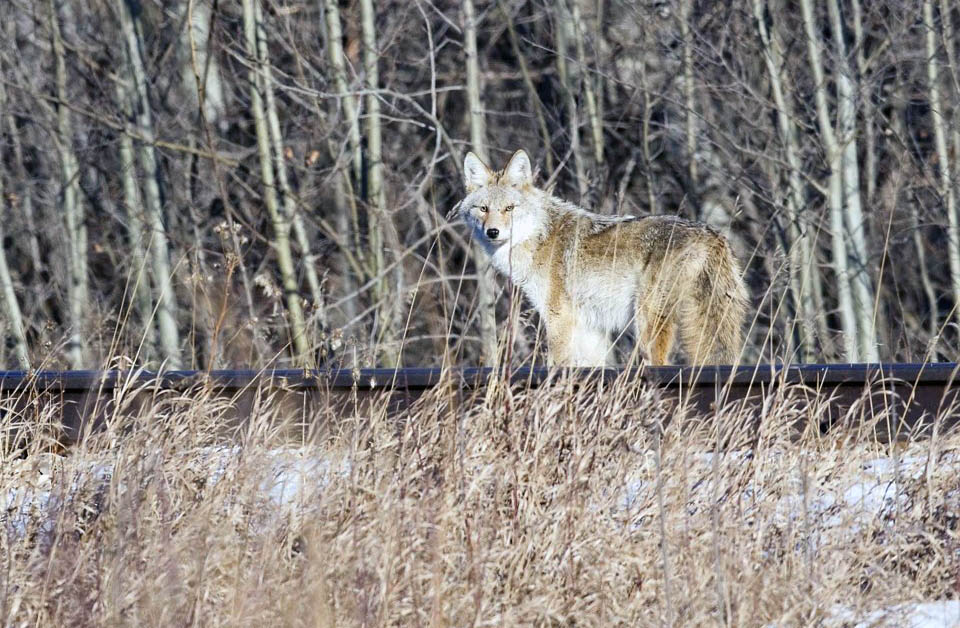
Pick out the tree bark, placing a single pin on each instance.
(848, 317)
(132, 206)
(562, 36)
(866, 105)
(686, 8)
(207, 92)
(252, 31)
(345, 201)
(8, 296)
(531, 88)
(589, 93)
(157, 241)
(286, 193)
(347, 100)
(486, 286)
(77, 282)
(863, 294)
(800, 246)
(376, 194)
(946, 187)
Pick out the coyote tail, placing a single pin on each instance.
(723, 311)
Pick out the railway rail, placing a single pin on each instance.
(912, 399)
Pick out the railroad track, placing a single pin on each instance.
(911, 398)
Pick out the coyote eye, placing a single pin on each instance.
(509, 208)
(483, 209)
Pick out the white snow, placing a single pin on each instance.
(836, 497)
(40, 490)
(939, 614)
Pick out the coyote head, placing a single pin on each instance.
(499, 206)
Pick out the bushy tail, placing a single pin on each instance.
(719, 308)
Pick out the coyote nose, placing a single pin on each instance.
(493, 233)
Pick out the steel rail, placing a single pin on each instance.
(911, 398)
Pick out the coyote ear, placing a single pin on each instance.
(475, 173)
(518, 172)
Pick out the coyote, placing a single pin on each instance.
(589, 275)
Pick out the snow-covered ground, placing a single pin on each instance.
(834, 495)
(942, 614)
(834, 505)
(44, 484)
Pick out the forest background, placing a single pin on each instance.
(209, 184)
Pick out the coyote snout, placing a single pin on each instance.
(590, 275)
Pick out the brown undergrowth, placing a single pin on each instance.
(570, 504)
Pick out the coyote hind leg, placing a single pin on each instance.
(656, 336)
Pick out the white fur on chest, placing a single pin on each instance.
(517, 263)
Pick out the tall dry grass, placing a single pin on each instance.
(569, 504)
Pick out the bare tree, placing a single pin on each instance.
(8, 297)
(157, 242)
(635, 108)
(76, 233)
(346, 99)
(486, 284)
(834, 155)
(590, 94)
(531, 88)
(563, 28)
(863, 295)
(376, 193)
(801, 249)
(290, 209)
(946, 185)
(132, 204)
(207, 93)
(686, 7)
(253, 31)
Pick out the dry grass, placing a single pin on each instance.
(564, 505)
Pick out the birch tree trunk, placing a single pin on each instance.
(376, 194)
(801, 248)
(946, 21)
(589, 93)
(866, 105)
(531, 88)
(848, 318)
(928, 290)
(77, 291)
(946, 186)
(345, 201)
(132, 206)
(252, 31)
(157, 241)
(562, 35)
(208, 87)
(207, 92)
(863, 295)
(338, 69)
(25, 193)
(486, 286)
(686, 8)
(8, 296)
(286, 193)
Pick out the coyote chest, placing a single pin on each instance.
(603, 298)
(517, 263)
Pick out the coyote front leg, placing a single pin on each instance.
(560, 324)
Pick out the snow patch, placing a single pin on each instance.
(939, 614)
